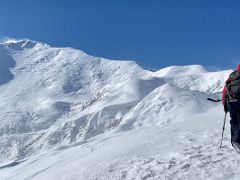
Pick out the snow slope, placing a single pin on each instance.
(67, 115)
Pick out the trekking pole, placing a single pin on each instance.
(224, 122)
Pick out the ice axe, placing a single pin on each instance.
(214, 100)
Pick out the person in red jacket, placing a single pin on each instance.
(231, 104)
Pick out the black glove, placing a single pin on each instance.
(225, 108)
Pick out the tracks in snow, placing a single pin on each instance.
(204, 160)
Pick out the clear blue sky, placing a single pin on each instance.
(155, 33)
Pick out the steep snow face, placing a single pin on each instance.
(55, 97)
(166, 104)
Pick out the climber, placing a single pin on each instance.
(231, 103)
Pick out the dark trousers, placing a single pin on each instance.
(234, 110)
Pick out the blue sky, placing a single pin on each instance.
(154, 33)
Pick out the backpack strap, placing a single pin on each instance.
(234, 75)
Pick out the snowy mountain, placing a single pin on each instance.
(67, 115)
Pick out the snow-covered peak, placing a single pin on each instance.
(181, 70)
(20, 44)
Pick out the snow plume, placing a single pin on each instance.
(5, 39)
(9, 40)
(67, 115)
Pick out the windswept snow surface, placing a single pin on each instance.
(67, 115)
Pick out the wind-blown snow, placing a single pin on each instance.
(67, 115)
